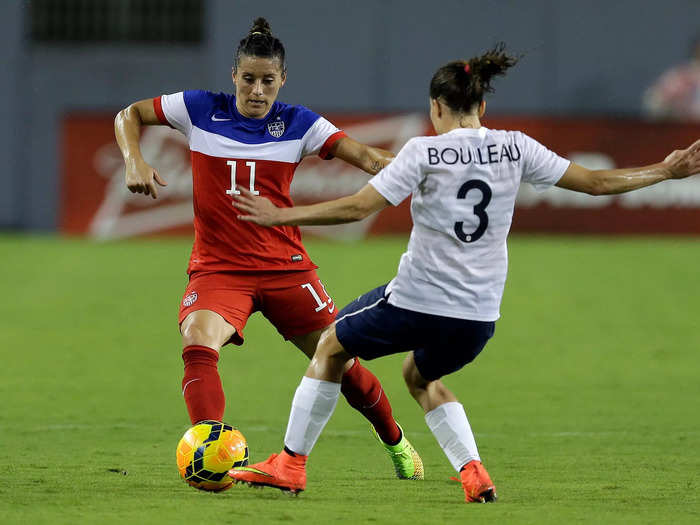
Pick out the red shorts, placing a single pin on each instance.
(295, 302)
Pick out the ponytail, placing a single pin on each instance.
(462, 83)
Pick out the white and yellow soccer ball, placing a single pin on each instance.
(206, 453)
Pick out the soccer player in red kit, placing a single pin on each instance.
(251, 140)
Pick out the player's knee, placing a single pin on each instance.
(438, 389)
(194, 333)
(330, 353)
(328, 345)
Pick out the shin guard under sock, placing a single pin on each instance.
(201, 386)
(365, 394)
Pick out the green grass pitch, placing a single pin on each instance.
(585, 405)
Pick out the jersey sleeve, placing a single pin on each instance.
(319, 139)
(402, 176)
(541, 167)
(172, 111)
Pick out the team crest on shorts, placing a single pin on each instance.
(276, 128)
(189, 299)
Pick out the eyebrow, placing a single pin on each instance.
(253, 74)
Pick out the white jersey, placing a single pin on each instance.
(464, 185)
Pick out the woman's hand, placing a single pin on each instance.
(142, 178)
(684, 162)
(259, 210)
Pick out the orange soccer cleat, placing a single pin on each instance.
(477, 485)
(281, 471)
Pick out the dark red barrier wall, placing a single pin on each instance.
(94, 200)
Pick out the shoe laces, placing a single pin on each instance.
(405, 451)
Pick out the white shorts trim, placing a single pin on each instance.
(361, 309)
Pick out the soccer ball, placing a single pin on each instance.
(206, 453)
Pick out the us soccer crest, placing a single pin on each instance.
(276, 128)
(189, 299)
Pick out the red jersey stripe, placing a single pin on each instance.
(158, 107)
(325, 153)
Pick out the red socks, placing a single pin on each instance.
(204, 395)
(365, 394)
(201, 385)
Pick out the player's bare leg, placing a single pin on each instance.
(203, 334)
(206, 328)
(308, 343)
(448, 422)
(428, 394)
(314, 402)
(365, 394)
(330, 360)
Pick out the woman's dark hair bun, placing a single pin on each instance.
(260, 43)
(260, 25)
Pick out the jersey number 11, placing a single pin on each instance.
(233, 190)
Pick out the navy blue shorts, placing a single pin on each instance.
(370, 327)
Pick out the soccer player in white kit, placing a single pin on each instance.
(442, 305)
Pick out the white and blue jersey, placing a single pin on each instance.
(445, 299)
(463, 185)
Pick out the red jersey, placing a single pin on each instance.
(230, 150)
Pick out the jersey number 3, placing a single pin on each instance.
(234, 190)
(479, 210)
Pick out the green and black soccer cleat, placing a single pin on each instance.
(407, 462)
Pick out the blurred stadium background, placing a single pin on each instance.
(70, 65)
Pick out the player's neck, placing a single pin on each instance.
(466, 121)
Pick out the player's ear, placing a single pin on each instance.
(438, 107)
(482, 108)
(233, 75)
(284, 78)
(435, 110)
